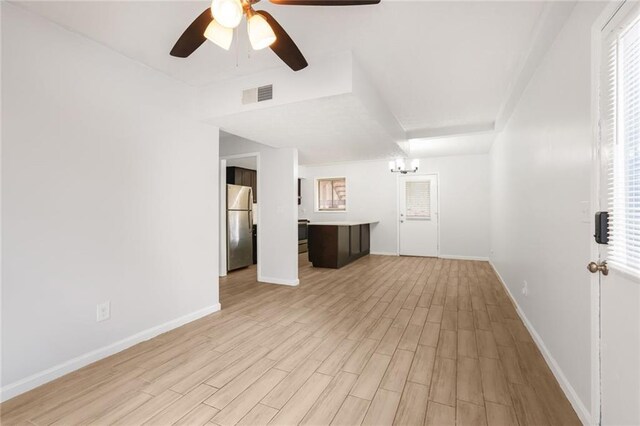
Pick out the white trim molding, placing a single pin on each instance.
(280, 281)
(457, 257)
(569, 391)
(31, 382)
(442, 256)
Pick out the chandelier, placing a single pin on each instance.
(399, 166)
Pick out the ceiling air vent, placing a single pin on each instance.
(257, 94)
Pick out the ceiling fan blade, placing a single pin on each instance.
(284, 46)
(193, 36)
(325, 2)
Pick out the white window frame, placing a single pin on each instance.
(316, 201)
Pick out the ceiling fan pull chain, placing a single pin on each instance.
(237, 49)
(249, 51)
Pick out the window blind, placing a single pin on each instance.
(332, 194)
(418, 200)
(621, 144)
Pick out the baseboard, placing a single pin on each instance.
(442, 256)
(280, 281)
(383, 253)
(38, 379)
(456, 257)
(569, 391)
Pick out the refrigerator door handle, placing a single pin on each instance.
(250, 204)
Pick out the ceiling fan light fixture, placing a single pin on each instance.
(228, 13)
(261, 34)
(216, 33)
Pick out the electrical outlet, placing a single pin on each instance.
(525, 288)
(103, 311)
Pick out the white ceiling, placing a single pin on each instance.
(436, 64)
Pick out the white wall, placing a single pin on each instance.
(540, 181)
(109, 192)
(277, 201)
(372, 195)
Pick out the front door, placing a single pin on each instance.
(418, 215)
(619, 194)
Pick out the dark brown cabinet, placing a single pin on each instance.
(244, 177)
(334, 246)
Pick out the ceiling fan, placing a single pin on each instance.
(217, 22)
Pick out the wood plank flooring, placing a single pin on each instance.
(385, 340)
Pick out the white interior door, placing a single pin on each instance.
(418, 221)
(619, 194)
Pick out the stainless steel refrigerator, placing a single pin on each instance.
(239, 227)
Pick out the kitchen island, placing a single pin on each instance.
(336, 244)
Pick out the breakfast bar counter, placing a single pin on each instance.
(336, 244)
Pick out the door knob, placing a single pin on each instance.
(595, 267)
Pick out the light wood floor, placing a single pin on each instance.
(385, 340)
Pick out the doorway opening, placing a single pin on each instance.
(418, 221)
(239, 215)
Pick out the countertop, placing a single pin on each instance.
(354, 223)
